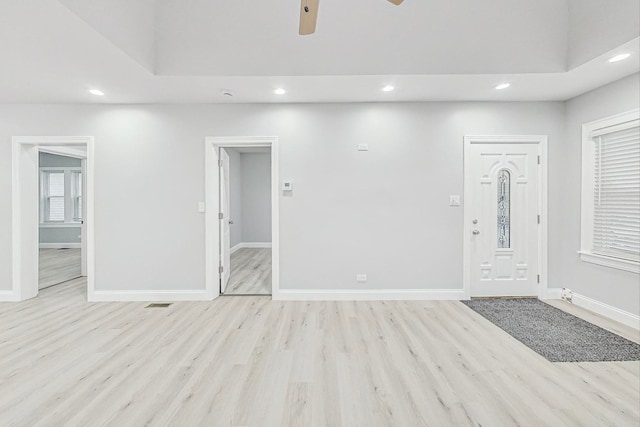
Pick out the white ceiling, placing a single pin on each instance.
(163, 51)
(360, 37)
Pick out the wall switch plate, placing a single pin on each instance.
(287, 186)
(361, 277)
(201, 207)
(454, 200)
(363, 147)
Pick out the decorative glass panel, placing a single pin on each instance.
(504, 209)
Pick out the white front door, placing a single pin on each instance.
(502, 193)
(225, 229)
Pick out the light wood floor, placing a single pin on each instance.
(250, 272)
(256, 362)
(57, 266)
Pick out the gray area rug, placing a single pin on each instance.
(553, 333)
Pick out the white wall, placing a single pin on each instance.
(614, 287)
(256, 197)
(235, 195)
(383, 212)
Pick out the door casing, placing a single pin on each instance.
(212, 197)
(541, 141)
(25, 201)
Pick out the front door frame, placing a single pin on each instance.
(541, 140)
(25, 210)
(212, 198)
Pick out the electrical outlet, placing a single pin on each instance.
(566, 295)
(361, 277)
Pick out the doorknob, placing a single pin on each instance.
(230, 222)
(475, 232)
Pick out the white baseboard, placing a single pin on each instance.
(607, 310)
(553, 293)
(251, 245)
(8, 296)
(368, 294)
(600, 308)
(60, 245)
(150, 296)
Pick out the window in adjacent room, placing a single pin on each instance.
(611, 192)
(60, 195)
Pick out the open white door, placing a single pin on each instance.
(502, 197)
(225, 229)
(83, 219)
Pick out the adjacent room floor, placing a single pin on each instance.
(257, 362)
(250, 272)
(57, 266)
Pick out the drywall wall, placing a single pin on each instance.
(61, 236)
(52, 234)
(610, 286)
(235, 195)
(383, 212)
(256, 197)
(57, 161)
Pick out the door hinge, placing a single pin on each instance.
(220, 269)
(220, 162)
(538, 159)
(220, 215)
(538, 219)
(538, 278)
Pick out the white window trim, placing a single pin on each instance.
(587, 208)
(68, 199)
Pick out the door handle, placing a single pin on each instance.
(230, 222)
(475, 232)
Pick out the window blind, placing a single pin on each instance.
(55, 205)
(616, 220)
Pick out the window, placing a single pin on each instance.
(60, 195)
(611, 192)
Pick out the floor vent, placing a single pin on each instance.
(159, 305)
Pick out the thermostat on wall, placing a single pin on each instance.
(287, 185)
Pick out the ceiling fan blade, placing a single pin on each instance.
(308, 16)
(396, 2)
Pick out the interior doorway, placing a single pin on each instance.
(505, 216)
(61, 215)
(242, 215)
(245, 220)
(52, 213)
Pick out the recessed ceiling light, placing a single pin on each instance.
(503, 86)
(279, 91)
(388, 88)
(620, 57)
(96, 92)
